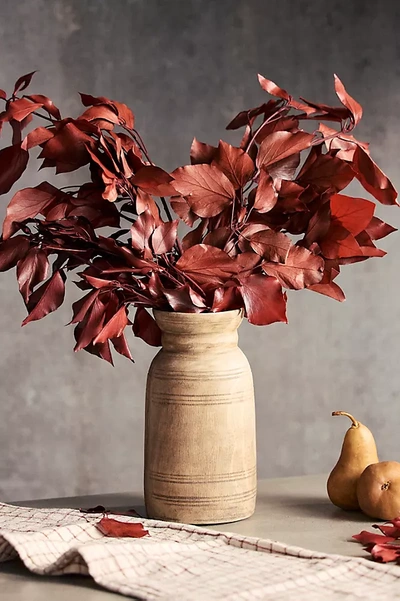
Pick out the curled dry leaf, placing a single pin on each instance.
(118, 529)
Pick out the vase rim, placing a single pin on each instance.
(209, 314)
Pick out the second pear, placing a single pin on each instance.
(358, 451)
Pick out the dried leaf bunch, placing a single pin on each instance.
(264, 216)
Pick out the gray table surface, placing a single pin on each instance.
(295, 511)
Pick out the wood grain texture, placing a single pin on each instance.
(200, 451)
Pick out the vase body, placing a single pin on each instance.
(200, 448)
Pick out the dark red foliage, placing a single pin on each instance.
(383, 547)
(242, 204)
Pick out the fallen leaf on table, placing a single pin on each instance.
(117, 529)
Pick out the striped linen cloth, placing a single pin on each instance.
(177, 562)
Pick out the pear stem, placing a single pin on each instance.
(354, 424)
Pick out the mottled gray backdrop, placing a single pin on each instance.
(71, 424)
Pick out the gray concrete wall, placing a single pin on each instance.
(71, 424)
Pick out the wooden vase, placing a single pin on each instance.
(200, 450)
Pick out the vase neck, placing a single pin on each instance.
(198, 333)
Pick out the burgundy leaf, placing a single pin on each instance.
(301, 269)
(13, 162)
(354, 214)
(207, 189)
(286, 168)
(271, 87)
(226, 299)
(236, 164)
(164, 237)
(145, 201)
(121, 346)
(146, 328)
(25, 204)
(366, 538)
(218, 237)
(47, 104)
(273, 246)
(339, 243)
(207, 265)
(385, 553)
(195, 236)
(185, 299)
(23, 82)
(12, 251)
(31, 271)
(378, 229)
(182, 209)
(372, 178)
(114, 328)
(201, 153)
(47, 298)
(318, 225)
(38, 136)
(87, 330)
(142, 230)
(154, 180)
(327, 172)
(67, 150)
(282, 144)
(263, 299)
(355, 109)
(81, 307)
(266, 194)
(18, 110)
(117, 529)
(330, 289)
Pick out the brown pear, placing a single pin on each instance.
(378, 490)
(358, 451)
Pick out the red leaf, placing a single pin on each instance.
(3, 95)
(327, 172)
(121, 346)
(18, 110)
(23, 82)
(372, 178)
(81, 307)
(263, 298)
(195, 236)
(146, 328)
(339, 243)
(218, 237)
(226, 299)
(47, 298)
(201, 153)
(68, 148)
(266, 194)
(282, 144)
(207, 189)
(319, 224)
(12, 251)
(354, 214)
(388, 530)
(182, 209)
(235, 163)
(47, 104)
(142, 230)
(13, 162)
(185, 299)
(164, 237)
(91, 326)
(117, 529)
(273, 246)
(102, 116)
(347, 101)
(385, 553)
(271, 87)
(330, 289)
(378, 229)
(145, 201)
(207, 265)
(286, 168)
(31, 271)
(113, 328)
(301, 269)
(38, 136)
(366, 538)
(25, 204)
(154, 180)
